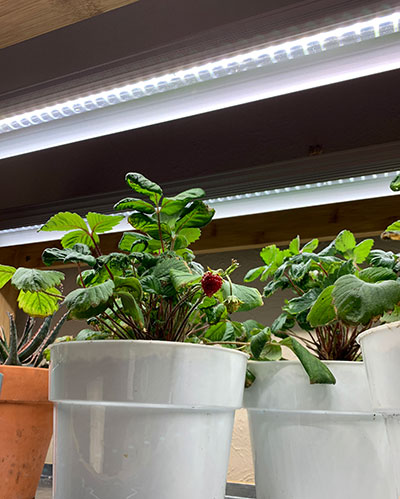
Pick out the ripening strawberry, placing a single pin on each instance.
(211, 283)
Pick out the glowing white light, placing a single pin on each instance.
(310, 44)
(331, 191)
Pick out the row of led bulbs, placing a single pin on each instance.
(229, 66)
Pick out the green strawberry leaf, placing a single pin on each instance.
(133, 204)
(322, 312)
(38, 303)
(142, 185)
(358, 302)
(345, 241)
(65, 221)
(316, 370)
(89, 302)
(258, 342)
(79, 253)
(36, 280)
(362, 250)
(6, 273)
(102, 223)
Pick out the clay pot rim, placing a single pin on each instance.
(24, 385)
(30, 368)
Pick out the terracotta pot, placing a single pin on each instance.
(26, 426)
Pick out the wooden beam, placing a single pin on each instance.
(24, 19)
(364, 218)
(8, 303)
(368, 217)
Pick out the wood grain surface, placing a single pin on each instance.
(364, 218)
(8, 303)
(24, 19)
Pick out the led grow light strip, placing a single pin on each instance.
(299, 196)
(255, 82)
(294, 49)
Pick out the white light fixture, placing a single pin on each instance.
(363, 48)
(289, 198)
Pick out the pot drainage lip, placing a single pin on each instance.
(240, 491)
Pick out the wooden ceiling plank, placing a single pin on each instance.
(21, 20)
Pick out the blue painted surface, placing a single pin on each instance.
(1, 380)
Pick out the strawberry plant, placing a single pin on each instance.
(339, 292)
(150, 287)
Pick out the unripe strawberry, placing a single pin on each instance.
(232, 304)
(211, 283)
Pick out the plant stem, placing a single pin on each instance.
(80, 275)
(183, 324)
(322, 268)
(102, 321)
(227, 342)
(60, 297)
(116, 324)
(298, 290)
(159, 226)
(230, 285)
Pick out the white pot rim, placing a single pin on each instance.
(175, 344)
(378, 329)
(296, 362)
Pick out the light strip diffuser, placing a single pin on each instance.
(288, 198)
(338, 54)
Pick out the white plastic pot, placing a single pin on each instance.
(316, 441)
(381, 353)
(142, 419)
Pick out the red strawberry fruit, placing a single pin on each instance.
(211, 283)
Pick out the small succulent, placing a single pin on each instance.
(27, 349)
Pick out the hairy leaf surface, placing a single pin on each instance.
(359, 302)
(376, 274)
(250, 297)
(36, 280)
(87, 302)
(79, 253)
